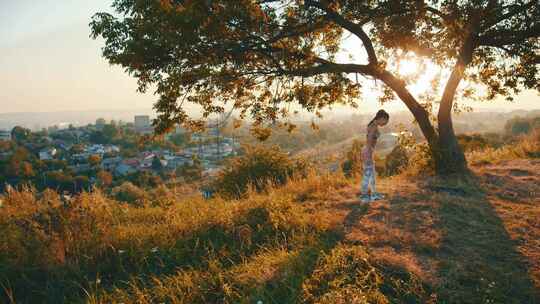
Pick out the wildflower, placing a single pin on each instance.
(98, 281)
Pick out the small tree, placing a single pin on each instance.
(76, 149)
(20, 134)
(353, 162)
(156, 164)
(104, 178)
(518, 126)
(110, 132)
(128, 192)
(94, 160)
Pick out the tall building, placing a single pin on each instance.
(142, 124)
(100, 123)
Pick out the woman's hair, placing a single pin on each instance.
(380, 114)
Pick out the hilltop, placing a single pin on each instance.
(472, 245)
(310, 241)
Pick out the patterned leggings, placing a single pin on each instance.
(368, 180)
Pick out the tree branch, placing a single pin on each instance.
(329, 67)
(419, 112)
(509, 14)
(438, 13)
(352, 27)
(506, 37)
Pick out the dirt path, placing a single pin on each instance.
(473, 248)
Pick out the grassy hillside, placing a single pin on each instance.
(311, 241)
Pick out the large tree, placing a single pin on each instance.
(261, 56)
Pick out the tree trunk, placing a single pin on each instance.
(448, 154)
(445, 149)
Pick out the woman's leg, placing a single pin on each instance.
(367, 178)
(372, 180)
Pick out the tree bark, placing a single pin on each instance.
(449, 157)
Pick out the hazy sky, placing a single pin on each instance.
(49, 63)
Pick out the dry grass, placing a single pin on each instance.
(311, 241)
(470, 247)
(97, 250)
(527, 146)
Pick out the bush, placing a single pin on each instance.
(473, 142)
(525, 147)
(353, 163)
(259, 167)
(518, 126)
(396, 161)
(421, 161)
(128, 192)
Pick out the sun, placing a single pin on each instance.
(425, 72)
(407, 67)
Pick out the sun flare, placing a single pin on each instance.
(424, 71)
(408, 67)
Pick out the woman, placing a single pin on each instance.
(368, 180)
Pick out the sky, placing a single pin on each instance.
(48, 63)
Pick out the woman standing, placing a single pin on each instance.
(368, 180)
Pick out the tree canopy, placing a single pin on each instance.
(262, 56)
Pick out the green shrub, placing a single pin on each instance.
(353, 162)
(396, 161)
(472, 142)
(259, 167)
(421, 161)
(517, 126)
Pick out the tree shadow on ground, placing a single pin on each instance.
(476, 259)
(479, 262)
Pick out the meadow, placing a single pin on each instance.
(309, 241)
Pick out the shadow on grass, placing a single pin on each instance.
(477, 260)
(356, 211)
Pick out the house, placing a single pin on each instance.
(142, 123)
(110, 163)
(96, 149)
(79, 168)
(196, 137)
(180, 161)
(47, 154)
(146, 162)
(164, 163)
(111, 149)
(124, 169)
(133, 162)
(80, 158)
